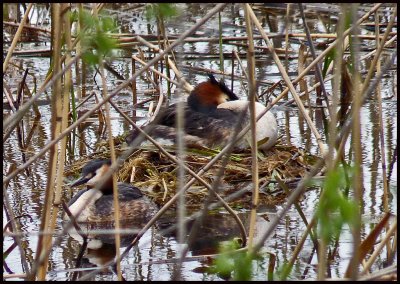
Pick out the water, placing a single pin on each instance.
(149, 260)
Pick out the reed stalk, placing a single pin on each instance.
(314, 55)
(117, 216)
(221, 51)
(241, 66)
(181, 206)
(78, 50)
(129, 40)
(134, 88)
(253, 121)
(44, 242)
(287, 26)
(356, 143)
(63, 110)
(27, 27)
(371, 70)
(381, 135)
(16, 38)
(232, 67)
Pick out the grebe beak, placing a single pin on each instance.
(80, 181)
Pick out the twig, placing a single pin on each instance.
(16, 38)
(27, 27)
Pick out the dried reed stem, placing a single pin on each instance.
(16, 38)
(314, 55)
(381, 245)
(356, 144)
(117, 212)
(379, 50)
(45, 243)
(287, 23)
(252, 107)
(381, 134)
(128, 40)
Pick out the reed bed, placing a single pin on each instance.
(196, 181)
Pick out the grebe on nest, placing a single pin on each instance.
(211, 113)
(98, 204)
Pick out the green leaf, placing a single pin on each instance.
(334, 208)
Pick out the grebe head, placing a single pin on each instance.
(206, 96)
(92, 172)
(93, 205)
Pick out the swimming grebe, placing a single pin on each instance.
(98, 205)
(211, 113)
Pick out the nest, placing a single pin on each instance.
(156, 175)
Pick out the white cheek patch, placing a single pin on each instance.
(222, 98)
(98, 175)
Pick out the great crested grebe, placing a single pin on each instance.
(96, 205)
(211, 113)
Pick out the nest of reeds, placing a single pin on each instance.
(156, 175)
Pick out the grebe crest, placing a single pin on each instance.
(206, 96)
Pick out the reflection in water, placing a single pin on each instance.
(215, 229)
(100, 247)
